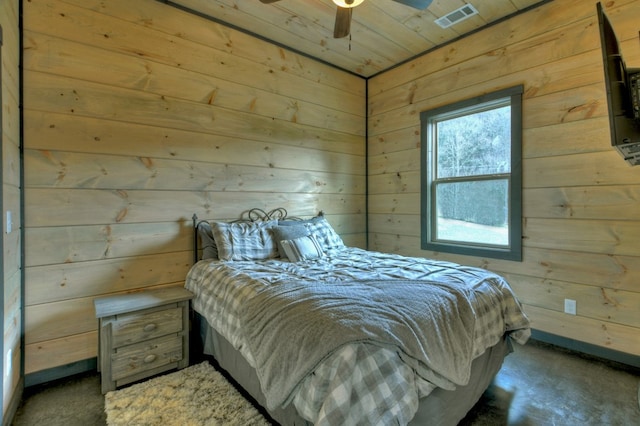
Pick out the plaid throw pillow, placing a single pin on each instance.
(245, 241)
(324, 233)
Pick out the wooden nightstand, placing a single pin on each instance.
(142, 334)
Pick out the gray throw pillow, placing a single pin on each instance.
(207, 243)
(288, 232)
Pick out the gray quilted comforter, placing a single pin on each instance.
(291, 327)
(365, 371)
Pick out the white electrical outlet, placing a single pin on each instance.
(570, 306)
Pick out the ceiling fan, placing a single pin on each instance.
(342, 26)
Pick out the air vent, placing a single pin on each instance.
(457, 15)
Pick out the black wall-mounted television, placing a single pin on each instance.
(623, 93)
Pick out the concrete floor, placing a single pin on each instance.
(538, 385)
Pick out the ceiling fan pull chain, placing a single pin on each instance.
(349, 42)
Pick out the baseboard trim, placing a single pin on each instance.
(60, 372)
(587, 348)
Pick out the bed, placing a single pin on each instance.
(321, 333)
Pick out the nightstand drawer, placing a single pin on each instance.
(138, 327)
(134, 359)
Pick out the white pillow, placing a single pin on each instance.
(302, 248)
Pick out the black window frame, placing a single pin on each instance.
(513, 251)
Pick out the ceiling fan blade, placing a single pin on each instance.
(416, 4)
(343, 22)
(268, 1)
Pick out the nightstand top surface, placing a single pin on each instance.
(145, 299)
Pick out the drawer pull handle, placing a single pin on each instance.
(149, 327)
(149, 358)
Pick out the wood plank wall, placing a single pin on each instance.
(581, 200)
(138, 115)
(10, 129)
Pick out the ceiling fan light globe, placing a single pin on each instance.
(348, 3)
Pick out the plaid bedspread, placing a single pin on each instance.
(359, 383)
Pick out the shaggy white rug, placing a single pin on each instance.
(194, 396)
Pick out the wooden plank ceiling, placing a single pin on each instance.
(383, 33)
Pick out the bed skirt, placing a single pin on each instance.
(440, 407)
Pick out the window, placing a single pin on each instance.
(472, 176)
